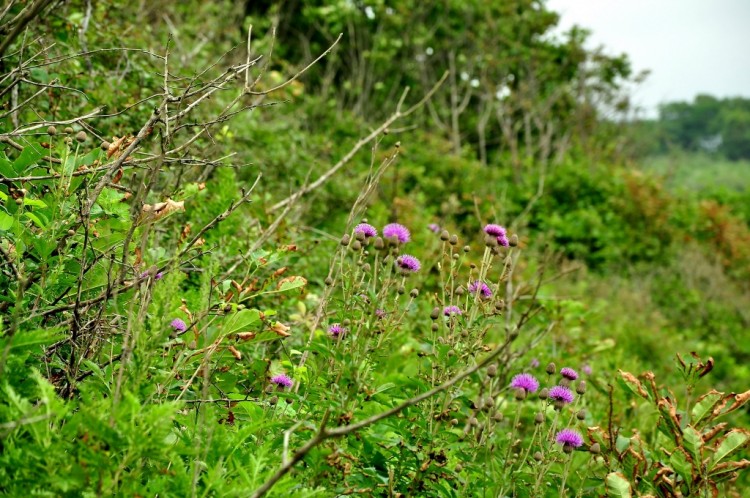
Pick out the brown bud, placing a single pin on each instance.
(539, 418)
(460, 290)
(366, 267)
(492, 370)
(329, 281)
(105, 145)
(360, 236)
(551, 368)
(444, 235)
(581, 415)
(454, 421)
(520, 394)
(458, 467)
(401, 289)
(345, 240)
(19, 201)
(71, 232)
(379, 244)
(490, 241)
(356, 245)
(489, 403)
(68, 130)
(544, 394)
(414, 293)
(474, 422)
(498, 417)
(467, 248)
(500, 305)
(581, 387)
(435, 313)
(81, 136)
(434, 327)
(568, 448)
(273, 400)
(346, 322)
(51, 131)
(538, 456)
(513, 242)
(453, 240)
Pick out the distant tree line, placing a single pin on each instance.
(707, 124)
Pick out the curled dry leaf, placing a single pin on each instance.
(246, 336)
(118, 145)
(280, 329)
(237, 355)
(152, 213)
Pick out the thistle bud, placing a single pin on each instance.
(453, 240)
(379, 244)
(51, 131)
(414, 293)
(551, 369)
(498, 417)
(490, 241)
(500, 305)
(356, 245)
(434, 327)
(520, 394)
(581, 415)
(539, 418)
(581, 387)
(513, 242)
(454, 421)
(435, 313)
(105, 145)
(444, 235)
(538, 456)
(401, 289)
(81, 136)
(492, 370)
(544, 393)
(329, 281)
(345, 240)
(460, 290)
(467, 248)
(68, 130)
(458, 467)
(273, 400)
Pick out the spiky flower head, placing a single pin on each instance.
(495, 230)
(525, 381)
(451, 310)
(561, 394)
(282, 381)
(178, 325)
(502, 240)
(569, 373)
(398, 232)
(336, 330)
(483, 289)
(569, 438)
(408, 264)
(366, 229)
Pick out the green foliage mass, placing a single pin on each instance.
(167, 251)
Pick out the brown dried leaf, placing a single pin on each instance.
(118, 176)
(237, 355)
(152, 213)
(280, 329)
(246, 336)
(739, 400)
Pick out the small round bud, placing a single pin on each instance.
(498, 417)
(544, 393)
(273, 400)
(435, 313)
(513, 242)
(453, 240)
(539, 418)
(581, 387)
(68, 140)
(414, 293)
(356, 245)
(568, 448)
(379, 244)
(401, 289)
(459, 467)
(434, 327)
(346, 322)
(595, 448)
(467, 248)
(51, 131)
(451, 353)
(474, 422)
(345, 240)
(538, 456)
(455, 257)
(19, 201)
(81, 136)
(105, 145)
(366, 267)
(551, 368)
(520, 394)
(489, 403)
(564, 382)
(68, 130)
(360, 236)
(581, 415)
(500, 305)
(558, 404)
(71, 232)
(444, 235)
(490, 241)
(329, 281)
(492, 370)
(460, 290)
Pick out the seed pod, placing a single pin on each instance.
(490, 241)
(81, 136)
(401, 289)
(489, 403)
(51, 131)
(568, 448)
(453, 240)
(444, 235)
(474, 422)
(359, 236)
(498, 417)
(551, 368)
(460, 290)
(414, 293)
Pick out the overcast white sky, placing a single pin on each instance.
(690, 46)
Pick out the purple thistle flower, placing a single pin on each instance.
(159, 275)
(525, 381)
(366, 229)
(495, 230)
(396, 231)
(434, 227)
(534, 363)
(451, 310)
(503, 240)
(569, 373)
(561, 394)
(178, 325)
(570, 438)
(483, 289)
(336, 330)
(408, 264)
(282, 381)
(143, 275)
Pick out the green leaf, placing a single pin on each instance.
(693, 442)
(30, 155)
(704, 405)
(733, 441)
(682, 463)
(6, 167)
(6, 221)
(617, 486)
(241, 321)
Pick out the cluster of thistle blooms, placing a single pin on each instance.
(557, 398)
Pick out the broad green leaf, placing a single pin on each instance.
(682, 463)
(733, 441)
(6, 167)
(30, 155)
(241, 321)
(704, 405)
(617, 486)
(693, 442)
(6, 221)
